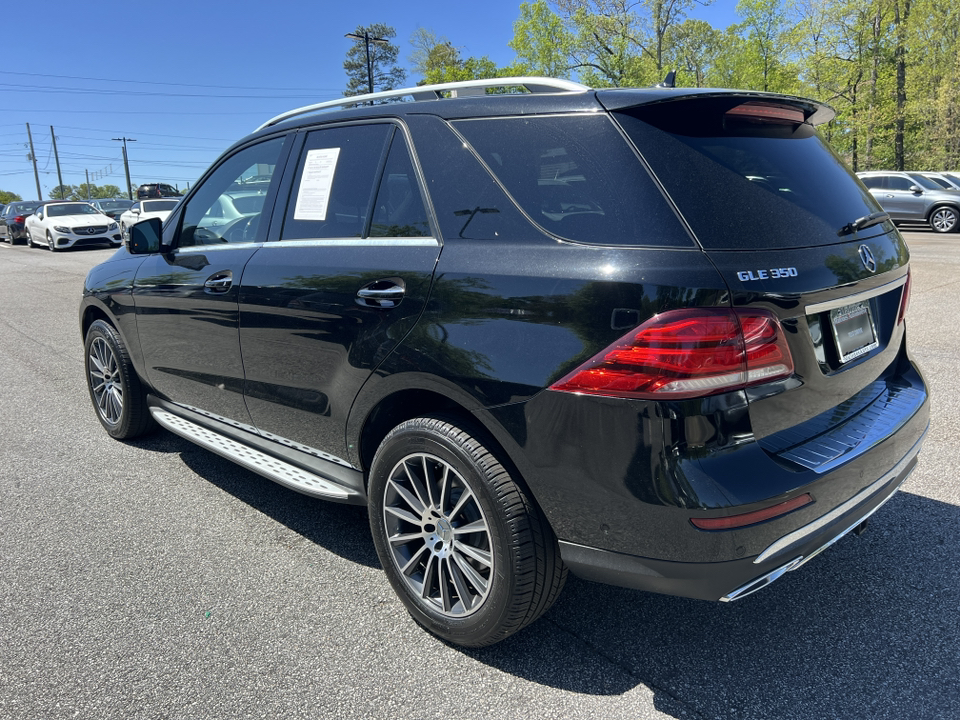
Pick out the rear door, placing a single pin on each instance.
(345, 276)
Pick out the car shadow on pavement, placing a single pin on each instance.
(341, 529)
(870, 629)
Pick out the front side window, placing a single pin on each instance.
(399, 210)
(896, 182)
(223, 210)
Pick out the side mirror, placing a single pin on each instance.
(145, 237)
(916, 190)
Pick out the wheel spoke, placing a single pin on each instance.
(444, 487)
(476, 579)
(413, 561)
(428, 574)
(481, 556)
(412, 501)
(405, 538)
(402, 514)
(461, 502)
(444, 580)
(427, 482)
(475, 526)
(417, 488)
(466, 597)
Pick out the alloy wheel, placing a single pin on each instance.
(438, 534)
(105, 381)
(944, 219)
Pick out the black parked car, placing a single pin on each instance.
(653, 336)
(156, 190)
(113, 208)
(12, 219)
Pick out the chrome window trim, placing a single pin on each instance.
(223, 246)
(856, 297)
(357, 242)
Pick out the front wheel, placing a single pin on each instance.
(944, 219)
(50, 243)
(463, 546)
(115, 389)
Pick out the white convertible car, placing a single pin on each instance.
(144, 210)
(61, 225)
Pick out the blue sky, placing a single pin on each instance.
(185, 81)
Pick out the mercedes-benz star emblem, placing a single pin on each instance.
(867, 258)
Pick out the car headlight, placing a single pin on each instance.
(113, 226)
(61, 228)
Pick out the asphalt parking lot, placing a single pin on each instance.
(153, 579)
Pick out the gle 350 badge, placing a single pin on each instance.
(771, 274)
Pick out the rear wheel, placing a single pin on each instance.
(944, 219)
(115, 389)
(463, 546)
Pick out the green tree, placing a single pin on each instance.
(543, 44)
(383, 70)
(79, 192)
(7, 197)
(694, 46)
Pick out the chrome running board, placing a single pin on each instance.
(259, 462)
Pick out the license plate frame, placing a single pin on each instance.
(851, 325)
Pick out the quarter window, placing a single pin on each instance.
(399, 210)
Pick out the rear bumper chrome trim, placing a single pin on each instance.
(856, 297)
(800, 535)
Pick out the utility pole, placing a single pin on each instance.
(367, 39)
(126, 165)
(57, 158)
(88, 183)
(33, 157)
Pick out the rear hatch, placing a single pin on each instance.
(791, 231)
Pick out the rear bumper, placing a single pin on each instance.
(735, 579)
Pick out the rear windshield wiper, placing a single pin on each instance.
(864, 222)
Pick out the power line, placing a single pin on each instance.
(168, 84)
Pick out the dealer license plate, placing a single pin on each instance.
(853, 330)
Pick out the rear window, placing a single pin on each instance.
(746, 182)
(577, 178)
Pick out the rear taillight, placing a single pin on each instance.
(904, 299)
(20, 219)
(687, 353)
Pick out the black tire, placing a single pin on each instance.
(471, 588)
(116, 392)
(944, 219)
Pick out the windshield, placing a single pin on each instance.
(71, 209)
(747, 182)
(115, 204)
(159, 205)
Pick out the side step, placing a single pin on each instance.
(279, 471)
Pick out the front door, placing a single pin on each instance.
(187, 299)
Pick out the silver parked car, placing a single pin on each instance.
(943, 180)
(909, 196)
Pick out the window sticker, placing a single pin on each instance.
(314, 194)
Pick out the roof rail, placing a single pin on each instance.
(464, 88)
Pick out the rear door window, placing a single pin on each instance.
(577, 178)
(335, 182)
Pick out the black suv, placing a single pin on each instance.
(652, 336)
(156, 190)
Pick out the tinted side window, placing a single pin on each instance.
(895, 182)
(335, 182)
(873, 181)
(220, 210)
(399, 210)
(577, 178)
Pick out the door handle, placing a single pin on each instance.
(386, 293)
(218, 283)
